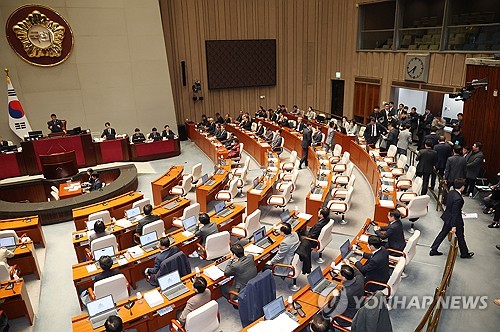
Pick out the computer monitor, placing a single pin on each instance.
(219, 206)
(106, 251)
(320, 118)
(274, 309)
(169, 280)
(77, 130)
(345, 248)
(314, 277)
(204, 178)
(285, 215)
(100, 306)
(256, 181)
(130, 213)
(91, 223)
(148, 238)
(8, 241)
(189, 223)
(259, 234)
(35, 134)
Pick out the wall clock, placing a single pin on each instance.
(417, 67)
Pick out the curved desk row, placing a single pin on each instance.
(162, 185)
(29, 225)
(253, 145)
(213, 150)
(205, 193)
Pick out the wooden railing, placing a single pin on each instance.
(430, 321)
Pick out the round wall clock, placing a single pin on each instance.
(417, 67)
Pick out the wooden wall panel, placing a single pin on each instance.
(315, 39)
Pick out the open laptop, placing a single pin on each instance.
(276, 308)
(106, 251)
(8, 242)
(91, 223)
(149, 242)
(133, 214)
(319, 284)
(346, 251)
(261, 239)
(257, 184)
(286, 218)
(316, 190)
(220, 209)
(190, 224)
(218, 170)
(100, 309)
(171, 285)
(171, 205)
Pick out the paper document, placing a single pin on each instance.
(122, 261)
(253, 249)
(265, 145)
(386, 203)
(316, 197)
(124, 223)
(469, 215)
(135, 251)
(282, 323)
(213, 272)
(153, 298)
(187, 234)
(322, 184)
(91, 268)
(303, 215)
(255, 191)
(363, 238)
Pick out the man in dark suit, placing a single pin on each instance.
(222, 135)
(108, 132)
(246, 123)
(453, 221)
(456, 166)
(376, 267)
(165, 252)
(260, 129)
(300, 125)
(105, 262)
(306, 143)
(426, 122)
(392, 232)
(443, 150)
(276, 141)
(138, 137)
(219, 118)
(380, 116)
(433, 136)
(167, 133)
(392, 135)
(373, 131)
(323, 220)
(154, 135)
(241, 267)
(474, 161)
(212, 126)
(114, 323)
(427, 159)
(456, 136)
(96, 182)
(149, 217)
(207, 228)
(55, 125)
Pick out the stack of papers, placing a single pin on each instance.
(91, 268)
(124, 223)
(363, 238)
(386, 203)
(316, 197)
(255, 191)
(253, 249)
(213, 272)
(153, 298)
(135, 251)
(303, 215)
(187, 234)
(282, 323)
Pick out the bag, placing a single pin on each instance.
(383, 144)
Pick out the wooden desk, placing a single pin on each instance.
(293, 139)
(155, 150)
(205, 193)
(125, 236)
(114, 150)
(30, 226)
(12, 165)
(212, 149)
(16, 301)
(134, 267)
(116, 207)
(314, 202)
(255, 198)
(65, 192)
(253, 145)
(145, 318)
(161, 186)
(26, 260)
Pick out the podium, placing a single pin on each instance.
(59, 165)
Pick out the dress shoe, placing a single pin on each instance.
(469, 255)
(435, 253)
(498, 246)
(494, 224)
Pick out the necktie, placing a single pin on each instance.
(374, 130)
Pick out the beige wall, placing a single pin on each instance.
(315, 39)
(118, 71)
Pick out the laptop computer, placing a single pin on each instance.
(171, 205)
(206, 180)
(190, 224)
(91, 223)
(286, 218)
(220, 209)
(222, 265)
(346, 250)
(261, 239)
(106, 251)
(316, 190)
(149, 242)
(171, 285)
(133, 214)
(276, 308)
(319, 284)
(218, 170)
(100, 309)
(257, 184)
(8, 242)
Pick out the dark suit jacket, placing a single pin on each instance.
(368, 133)
(168, 135)
(260, 130)
(474, 164)
(138, 138)
(205, 231)
(242, 270)
(392, 137)
(144, 221)
(161, 257)
(433, 137)
(108, 131)
(222, 136)
(394, 235)
(306, 138)
(155, 136)
(455, 168)
(56, 126)
(377, 266)
(106, 274)
(247, 125)
(316, 229)
(427, 159)
(211, 128)
(96, 185)
(219, 119)
(452, 215)
(443, 152)
(300, 127)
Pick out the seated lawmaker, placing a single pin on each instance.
(376, 267)
(149, 217)
(203, 296)
(393, 232)
(222, 134)
(55, 125)
(138, 137)
(165, 252)
(260, 129)
(108, 132)
(207, 228)
(96, 182)
(154, 135)
(276, 142)
(106, 262)
(241, 267)
(286, 250)
(167, 133)
(114, 323)
(99, 231)
(235, 149)
(3, 143)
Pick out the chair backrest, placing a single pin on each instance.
(205, 318)
(254, 126)
(141, 203)
(217, 245)
(243, 174)
(287, 191)
(241, 148)
(295, 175)
(402, 161)
(247, 162)
(293, 156)
(345, 158)
(115, 285)
(192, 210)
(323, 137)
(104, 241)
(297, 264)
(352, 179)
(54, 195)
(416, 185)
(410, 174)
(349, 169)
(156, 226)
(187, 183)
(233, 188)
(391, 152)
(54, 188)
(337, 150)
(105, 215)
(326, 236)
(4, 272)
(411, 246)
(418, 206)
(348, 197)
(252, 222)
(196, 172)
(395, 278)
(9, 233)
(361, 131)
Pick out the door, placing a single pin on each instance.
(366, 96)
(337, 97)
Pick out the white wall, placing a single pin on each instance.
(452, 107)
(118, 71)
(412, 98)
